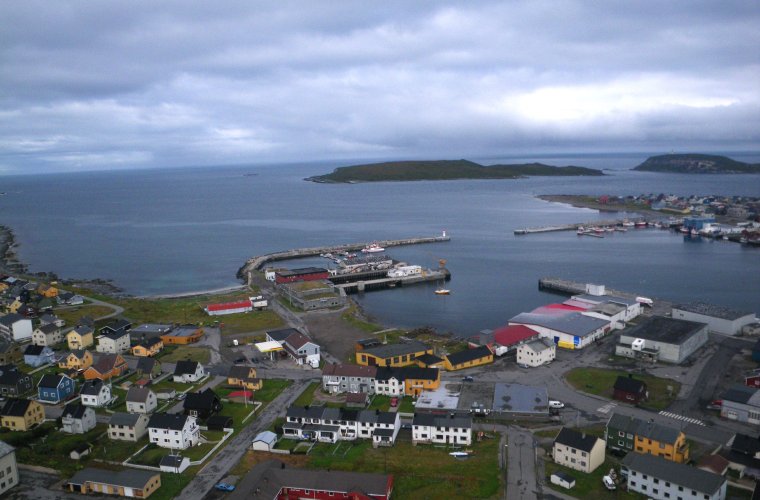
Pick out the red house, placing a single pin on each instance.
(301, 274)
(752, 379)
(630, 390)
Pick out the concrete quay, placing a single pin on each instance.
(567, 287)
(258, 262)
(571, 227)
(380, 283)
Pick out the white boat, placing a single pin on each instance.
(459, 454)
(442, 291)
(372, 248)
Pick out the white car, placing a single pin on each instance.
(556, 404)
(608, 483)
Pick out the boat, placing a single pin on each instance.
(372, 248)
(640, 223)
(442, 291)
(628, 223)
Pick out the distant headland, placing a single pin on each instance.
(692, 163)
(434, 170)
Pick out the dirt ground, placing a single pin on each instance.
(335, 335)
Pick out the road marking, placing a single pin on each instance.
(606, 408)
(682, 417)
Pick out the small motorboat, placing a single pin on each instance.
(442, 291)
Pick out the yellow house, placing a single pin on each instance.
(468, 358)
(392, 355)
(78, 359)
(80, 337)
(15, 306)
(21, 414)
(148, 347)
(670, 446)
(47, 291)
(4, 286)
(420, 379)
(244, 377)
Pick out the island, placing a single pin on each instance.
(697, 164)
(434, 170)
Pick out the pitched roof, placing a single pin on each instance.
(149, 342)
(428, 359)
(513, 334)
(204, 400)
(629, 384)
(74, 410)
(538, 345)
(282, 334)
(10, 375)
(51, 380)
(469, 355)
(131, 478)
(146, 364)
(48, 328)
(15, 407)
(82, 330)
(578, 440)
(138, 394)
(298, 340)
(406, 373)
(229, 305)
(77, 353)
(680, 474)
(5, 449)
(106, 363)
(573, 323)
(34, 350)
(173, 421)
(434, 420)
(122, 418)
(11, 318)
(341, 370)
(186, 367)
(646, 429)
(241, 372)
(92, 387)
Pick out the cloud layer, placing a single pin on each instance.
(96, 85)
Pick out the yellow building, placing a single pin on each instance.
(670, 446)
(80, 338)
(47, 291)
(421, 379)
(392, 355)
(627, 433)
(244, 377)
(15, 306)
(4, 286)
(148, 347)
(129, 483)
(468, 358)
(21, 414)
(78, 359)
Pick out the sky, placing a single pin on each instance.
(111, 84)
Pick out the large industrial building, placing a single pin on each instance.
(572, 331)
(658, 338)
(719, 319)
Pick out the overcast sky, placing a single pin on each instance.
(103, 85)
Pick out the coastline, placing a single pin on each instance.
(585, 201)
(9, 262)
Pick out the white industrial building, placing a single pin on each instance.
(718, 319)
(658, 338)
(572, 331)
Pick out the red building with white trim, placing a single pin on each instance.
(229, 308)
(301, 274)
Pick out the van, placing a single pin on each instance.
(556, 404)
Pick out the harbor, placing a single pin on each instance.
(568, 287)
(363, 285)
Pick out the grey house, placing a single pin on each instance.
(77, 418)
(337, 379)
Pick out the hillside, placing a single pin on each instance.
(444, 170)
(697, 164)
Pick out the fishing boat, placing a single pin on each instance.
(442, 291)
(372, 248)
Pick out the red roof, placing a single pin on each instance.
(557, 309)
(510, 335)
(228, 305)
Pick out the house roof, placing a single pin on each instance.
(407, 373)
(646, 429)
(392, 350)
(341, 370)
(629, 384)
(130, 478)
(669, 471)
(428, 359)
(447, 421)
(268, 437)
(150, 342)
(712, 310)
(113, 334)
(218, 421)
(229, 305)
(171, 461)
(538, 345)
(574, 323)
(11, 318)
(15, 407)
(75, 411)
(469, 355)
(119, 324)
(204, 400)
(138, 394)
(742, 394)
(5, 449)
(107, 362)
(48, 328)
(35, 350)
(92, 387)
(146, 364)
(564, 476)
(282, 334)
(714, 463)
(746, 445)
(10, 375)
(376, 417)
(82, 329)
(122, 418)
(513, 334)
(578, 440)
(186, 367)
(666, 330)
(51, 380)
(77, 353)
(172, 421)
(297, 340)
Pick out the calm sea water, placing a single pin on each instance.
(179, 230)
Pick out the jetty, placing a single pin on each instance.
(386, 282)
(571, 227)
(258, 262)
(567, 287)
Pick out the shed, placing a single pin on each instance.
(219, 422)
(563, 479)
(264, 441)
(80, 451)
(174, 463)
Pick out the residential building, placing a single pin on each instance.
(630, 390)
(741, 403)
(115, 326)
(627, 433)
(403, 354)
(127, 426)
(662, 479)
(70, 299)
(173, 431)
(406, 381)
(38, 355)
(658, 338)
(244, 377)
(148, 347)
(10, 352)
(77, 418)
(340, 378)
(202, 404)
(719, 319)
(8, 468)
(468, 358)
(573, 330)
(81, 337)
(578, 450)
(14, 382)
(106, 367)
(131, 483)
(335, 424)
(48, 319)
(149, 368)
(442, 429)
(55, 388)
(48, 335)
(141, 400)
(183, 335)
(46, 290)
(21, 414)
(302, 350)
(15, 327)
(536, 352)
(744, 456)
(95, 393)
(113, 342)
(188, 372)
(76, 360)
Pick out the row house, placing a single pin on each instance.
(330, 425)
(442, 429)
(14, 382)
(403, 354)
(21, 414)
(627, 433)
(127, 426)
(48, 335)
(339, 378)
(406, 381)
(95, 393)
(662, 479)
(173, 431)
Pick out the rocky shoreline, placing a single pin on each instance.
(9, 262)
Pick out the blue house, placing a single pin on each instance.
(55, 388)
(37, 355)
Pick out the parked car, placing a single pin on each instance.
(556, 404)
(181, 396)
(467, 378)
(224, 487)
(608, 483)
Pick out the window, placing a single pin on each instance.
(632, 483)
(656, 481)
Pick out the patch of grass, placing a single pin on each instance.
(52, 449)
(380, 402)
(307, 396)
(351, 317)
(173, 484)
(185, 352)
(600, 381)
(734, 493)
(118, 451)
(589, 485)
(73, 315)
(406, 405)
(272, 388)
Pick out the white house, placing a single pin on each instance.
(578, 450)
(335, 424)
(16, 327)
(113, 342)
(663, 479)
(47, 335)
(173, 431)
(353, 379)
(77, 418)
(95, 393)
(188, 372)
(536, 352)
(442, 429)
(127, 426)
(9, 466)
(141, 400)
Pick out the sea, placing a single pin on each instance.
(178, 230)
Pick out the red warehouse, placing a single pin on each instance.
(302, 274)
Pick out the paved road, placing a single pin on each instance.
(521, 465)
(231, 454)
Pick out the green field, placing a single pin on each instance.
(307, 396)
(73, 315)
(172, 354)
(600, 381)
(272, 388)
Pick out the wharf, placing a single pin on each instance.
(380, 283)
(571, 227)
(258, 262)
(567, 287)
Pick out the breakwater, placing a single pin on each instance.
(572, 227)
(258, 262)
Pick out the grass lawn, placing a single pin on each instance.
(170, 384)
(406, 405)
(173, 484)
(307, 396)
(73, 315)
(52, 450)
(186, 352)
(589, 485)
(118, 451)
(350, 317)
(380, 402)
(238, 412)
(272, 388)
(599, 381)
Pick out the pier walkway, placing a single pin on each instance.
(660, 307)
(258, 262)
(573, 227)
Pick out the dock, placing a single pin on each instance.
(258, 262)
(567, 287)
(381, 283)
(570, 227)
